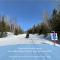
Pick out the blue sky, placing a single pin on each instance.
(27, 12)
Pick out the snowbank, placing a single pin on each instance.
(12, 39)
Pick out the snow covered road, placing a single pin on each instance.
(20, 39)
(34, 48)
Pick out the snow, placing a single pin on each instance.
(36, 47)
(12, 39)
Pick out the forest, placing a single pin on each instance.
(9, 26)
(51, 24)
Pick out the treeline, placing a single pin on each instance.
(8, 26)
(52, 24)
(39, 29)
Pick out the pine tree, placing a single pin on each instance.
(55, 22)
(18, 30)
(3, 28)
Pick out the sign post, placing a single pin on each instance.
(54, 37)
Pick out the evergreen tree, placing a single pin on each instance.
(3, 29)
(55, 22)
(54, 12)
(18, 30)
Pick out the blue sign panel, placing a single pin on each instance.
(54, 36)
